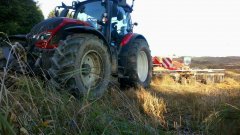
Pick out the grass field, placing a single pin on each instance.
(31, 106)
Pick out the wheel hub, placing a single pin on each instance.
(142, 66)
(91, 69)
(86, 69)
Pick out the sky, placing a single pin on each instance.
(183, 27)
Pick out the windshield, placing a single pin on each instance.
(90, 12)
(123, 25)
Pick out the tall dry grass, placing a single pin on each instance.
(32, 106)
(189, 106)
(234, 74)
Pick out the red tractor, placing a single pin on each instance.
(84, 47)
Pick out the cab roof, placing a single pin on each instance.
(121, 3)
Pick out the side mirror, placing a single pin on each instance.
(56, 12)
(131, 29)
(135, 24)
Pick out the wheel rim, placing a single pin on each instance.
(142, 66)
(91, 69)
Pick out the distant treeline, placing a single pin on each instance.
(19, 16)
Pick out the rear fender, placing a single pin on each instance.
(128, 39)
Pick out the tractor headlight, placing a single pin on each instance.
(44, 36)
(43, 39)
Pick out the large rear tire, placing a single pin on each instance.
(138, 65)
(81, 64)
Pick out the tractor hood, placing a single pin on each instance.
(46, 25)
(48, 33)
(42, 27)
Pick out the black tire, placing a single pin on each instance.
(129, 60)
(74, 61)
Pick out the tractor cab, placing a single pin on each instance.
(110, 17)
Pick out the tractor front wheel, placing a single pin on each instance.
(81, 64)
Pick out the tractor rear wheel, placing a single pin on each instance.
(81, 64)
(138, 65)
